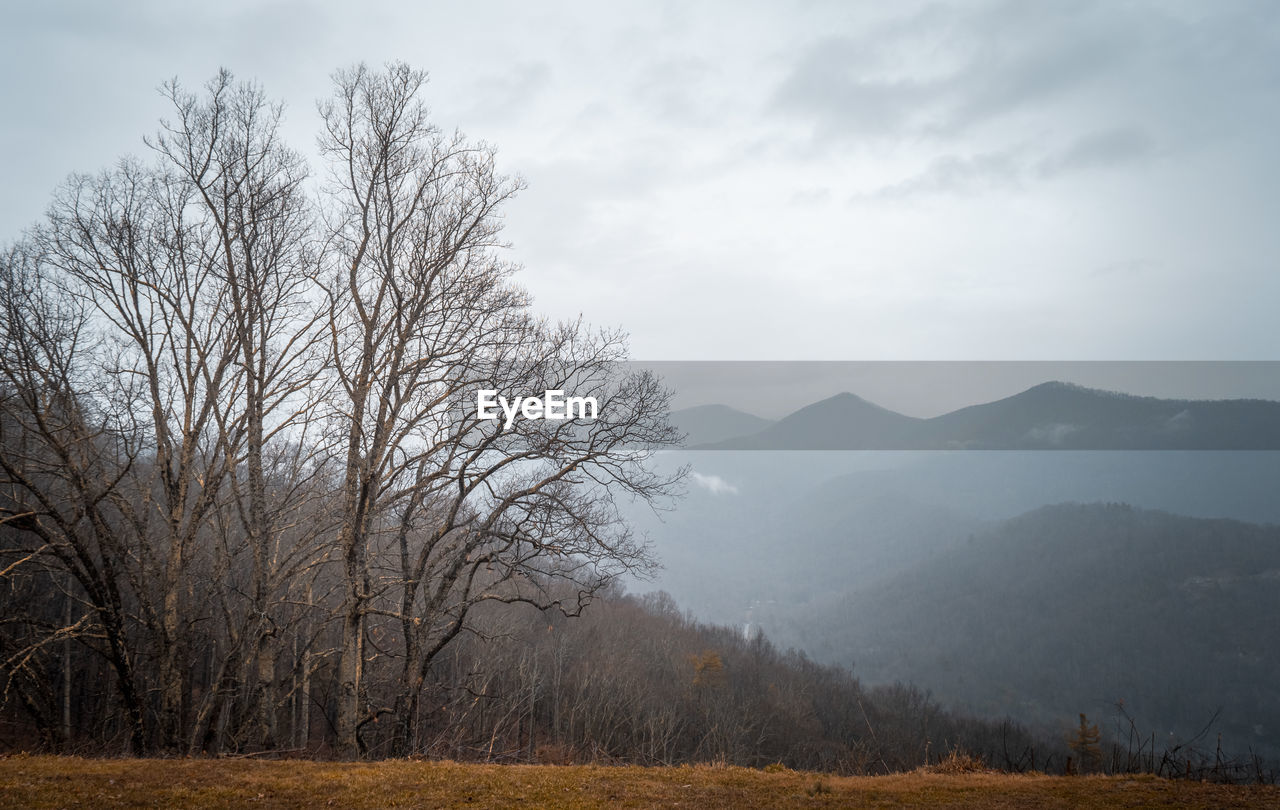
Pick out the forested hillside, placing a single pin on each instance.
(633, 680)
(1087, 608)
(943, 570)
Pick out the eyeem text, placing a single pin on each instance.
(553, 404)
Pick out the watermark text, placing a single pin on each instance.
(553, 404)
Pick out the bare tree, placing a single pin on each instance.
(248, 186)
(133, 249)
(422, 315)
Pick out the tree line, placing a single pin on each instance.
(244, 502)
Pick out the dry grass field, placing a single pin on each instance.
(57, 782)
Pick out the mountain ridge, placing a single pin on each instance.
(1053, 415)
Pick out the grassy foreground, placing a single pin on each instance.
(56, 782)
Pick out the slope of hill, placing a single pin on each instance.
(1050, 416)
(841, 421)
(1075, 607)
(795, 527)
(706, 424)
(1058, 415)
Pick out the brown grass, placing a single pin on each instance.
(958, 761)
(56, 782)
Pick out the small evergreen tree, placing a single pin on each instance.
(1084, 743)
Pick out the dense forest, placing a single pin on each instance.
(631, 680)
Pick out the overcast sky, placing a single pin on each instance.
(980, 180)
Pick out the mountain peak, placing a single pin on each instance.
(706, 424)
(844, 420)
(846, 398)
(1058, 385)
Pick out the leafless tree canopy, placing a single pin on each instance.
(245, 499)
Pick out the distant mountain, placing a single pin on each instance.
(1074, 607)
(1050, 416)
(844, 421)
(706, 424)
(1058, 415)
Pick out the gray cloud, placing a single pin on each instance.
(833, 86)
(509, 93)
(939, 73)
(1110, 147)
(1014, 164)
(680, 89)
(1018, 167)
(953, 71)
(956, 174)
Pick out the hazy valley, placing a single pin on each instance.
(1034, 584)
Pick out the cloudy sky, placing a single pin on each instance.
(978, 180)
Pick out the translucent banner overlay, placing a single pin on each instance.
(975, 405)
